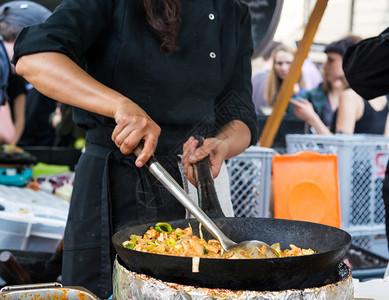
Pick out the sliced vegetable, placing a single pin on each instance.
(171, 242)
(150, 247)
(158, 227)
(200, 231)
(130, 244)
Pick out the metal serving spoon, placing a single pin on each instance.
(246, 249)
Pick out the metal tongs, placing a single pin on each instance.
(246, 249)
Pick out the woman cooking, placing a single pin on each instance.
(158, 71)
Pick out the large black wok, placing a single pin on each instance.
(330, 243)
(274, 274)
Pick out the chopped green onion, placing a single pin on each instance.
(180, 234)
(171, 242)
(206, 251)
(158, 227)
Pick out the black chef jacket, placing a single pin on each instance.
(197, 89)
(203, 85)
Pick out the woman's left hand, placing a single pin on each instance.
(212, 147)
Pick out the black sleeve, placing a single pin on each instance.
(71, 29)
(16, 86)
(366, 66)
(235, 103)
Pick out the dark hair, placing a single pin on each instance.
(164, 18)
(341, 45)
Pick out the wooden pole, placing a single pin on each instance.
(273, 122)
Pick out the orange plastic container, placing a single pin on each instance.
(306, 187)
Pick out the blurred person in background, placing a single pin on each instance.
(357, 115)
(311, 74)
(10, 27)
(260, 78)
(282, 57)
(38, 131)
(342, 109)
(7, 127)
(17, 100)
(30, 109)
(68, 134)
(354, 115)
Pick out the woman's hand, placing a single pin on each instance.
(233, 139)
(303, 109)
(212, 147)
(134, 125)
(49, 72)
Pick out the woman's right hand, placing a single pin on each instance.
(134, 125)
(303, 109)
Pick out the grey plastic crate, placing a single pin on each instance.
(362, 162)
(250, 178)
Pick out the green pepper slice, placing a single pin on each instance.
(158, 227)
(131, 245)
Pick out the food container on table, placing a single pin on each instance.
(31, 220)
(45, 291)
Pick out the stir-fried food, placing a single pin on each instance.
(163, 239)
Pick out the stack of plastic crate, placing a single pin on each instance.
(250, 178)
(362, 162)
